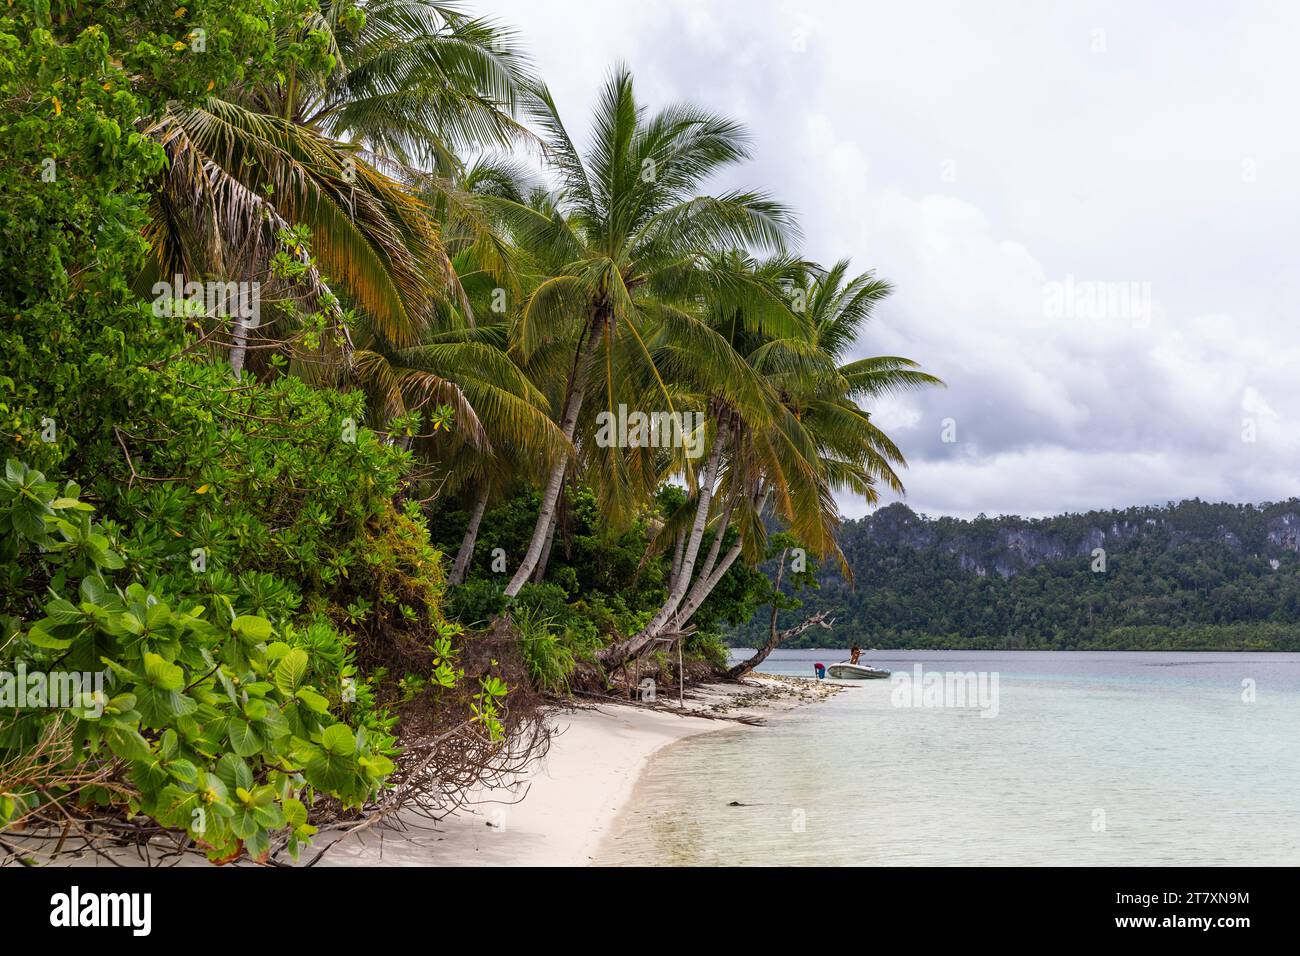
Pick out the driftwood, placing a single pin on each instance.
(774, 641)
(680, 712)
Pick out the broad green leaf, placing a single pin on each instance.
(294, 811)
(95, 591)
(128, 744)
(314, 701)
(161, 674)
(338, 739)
(252, 628)
(64, 504)
(244, 739)
(291, 671)
(234, 772)
(42, 638)
(377, 766)
(184, 771)
(63, 612)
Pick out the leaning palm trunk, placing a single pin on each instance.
(551, 496)
(773, 637)
(710, 577)
(704, 587)
(678, 551)
(696, 538)
(621, 651)
(540, 571)
(466, 551)
(719, 533)
(777, 638)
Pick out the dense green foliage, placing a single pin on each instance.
(246, 541)
(241, 735)
(598, 585)
(1191, 576)
(262, 588)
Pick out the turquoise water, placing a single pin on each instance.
(1091, 759)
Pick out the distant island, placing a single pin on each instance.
(1185, 576)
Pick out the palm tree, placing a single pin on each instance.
(494, 404)
(408, 81)
(820, 441)
(742, 301)
(420, 82)
(853, 456)
(621, 251)
(488, 282)
(826, 393)
(757, 447)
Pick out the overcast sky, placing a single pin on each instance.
(1090, 212)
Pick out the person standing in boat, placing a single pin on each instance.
(854, 653)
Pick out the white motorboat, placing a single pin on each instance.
(848, 671)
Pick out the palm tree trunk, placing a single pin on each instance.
(622, 650)
(744, 667)
(719, 533)
(466, 551)
(705, 585)
(239, 348)
(677, 561)
(551, 495)
(678, 590)
(540, 571)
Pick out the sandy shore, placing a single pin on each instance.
(558, 813)
(571, 797)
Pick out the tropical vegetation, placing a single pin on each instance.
(314, 321)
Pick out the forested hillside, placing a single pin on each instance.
(1187, 576)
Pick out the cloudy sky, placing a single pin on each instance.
(1090, 212)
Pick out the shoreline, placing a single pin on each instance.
(561, 810)
(567, 803)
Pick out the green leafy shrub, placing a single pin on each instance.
(223, 722)
(548, 658)
(476, 602)
(709, 647)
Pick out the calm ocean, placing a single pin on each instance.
(1066, 758)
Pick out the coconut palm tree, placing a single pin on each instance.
(489, 286)
(621, 251)
(826, 398)
(744, 465)
(330, 149)
(741, 300)
(819, 442)
(494, 404)
(421, 82)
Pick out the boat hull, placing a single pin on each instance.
(847, 671)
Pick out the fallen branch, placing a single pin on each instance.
(742, 719)
(775, 641)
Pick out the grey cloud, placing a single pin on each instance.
(1159, 159)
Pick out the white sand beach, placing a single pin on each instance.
(566, 804)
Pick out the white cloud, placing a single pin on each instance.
(973, 155)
